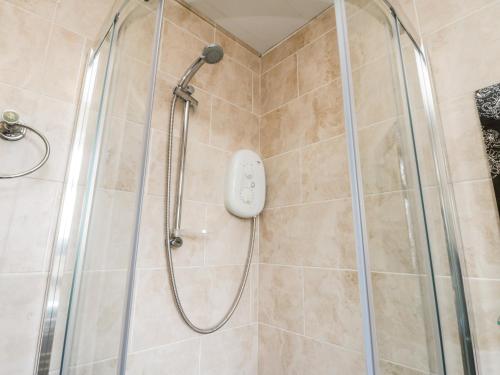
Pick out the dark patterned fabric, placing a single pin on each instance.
(488, 106)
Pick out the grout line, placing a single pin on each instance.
(460, 18)
(190, 33)
(305, 267)
(296, 149)
(310, 92)
(311, 203)
(200, 348)
(170, 76)
(310, 337)
(303, 299)
(279, 44)
(297, 73)
(23, 274)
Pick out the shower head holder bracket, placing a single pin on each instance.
(186, 94)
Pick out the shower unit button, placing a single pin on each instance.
(245, 191)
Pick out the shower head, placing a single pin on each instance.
(211, 54)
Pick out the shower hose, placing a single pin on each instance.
(170, 263)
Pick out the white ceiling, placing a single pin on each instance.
(260, 23)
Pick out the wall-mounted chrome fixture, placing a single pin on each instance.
(11, 129)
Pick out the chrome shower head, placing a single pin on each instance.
(211, 54)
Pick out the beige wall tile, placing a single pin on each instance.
(111, 231)
(279, 85)
(129, 166)
(179, 49)
(26, 102)
(163, 97)
(381, 156)
(462, 43)
(136, 39)
(83, 17)
(370, 83)
(156, 176)
(284, 49)
(390, 246)
(204, 173)
(281, 297)
(26, 233)
(318, 63)
(178, 358)
(228, 80)
(98, 324)
(434, 15)
(464, 140)
(56, 120)
(155, 315)
(152, 240)
(233, 128)
(328, 227)
(182, 17)
(20, 315)
(238, 52)
(486, 306)
(280, 130)
(388, 368)
(324, 171)
(233, 351)
(207, 294)
(369, 36)
(314, 29)
(26, 37)
(400, 321)
(137, 91)
(323, 23)
(284, 353)
(107, 367)
(256, 94)
(321, 113)
(42, 8)
(63, 65)
(254, 280)
(311, 118)
(332, 307)
(282, 179)
(228, 237)
(480, 228)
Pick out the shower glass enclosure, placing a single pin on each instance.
(377, 289)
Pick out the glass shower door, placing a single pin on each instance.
(403, 241)
(98, 229)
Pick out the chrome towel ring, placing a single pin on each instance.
(11, 129)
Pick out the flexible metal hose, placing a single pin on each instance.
(173, 283)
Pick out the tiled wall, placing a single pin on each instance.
(208, 267)
(309, 312)
(43, 53)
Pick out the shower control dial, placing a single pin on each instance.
(245, 184)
